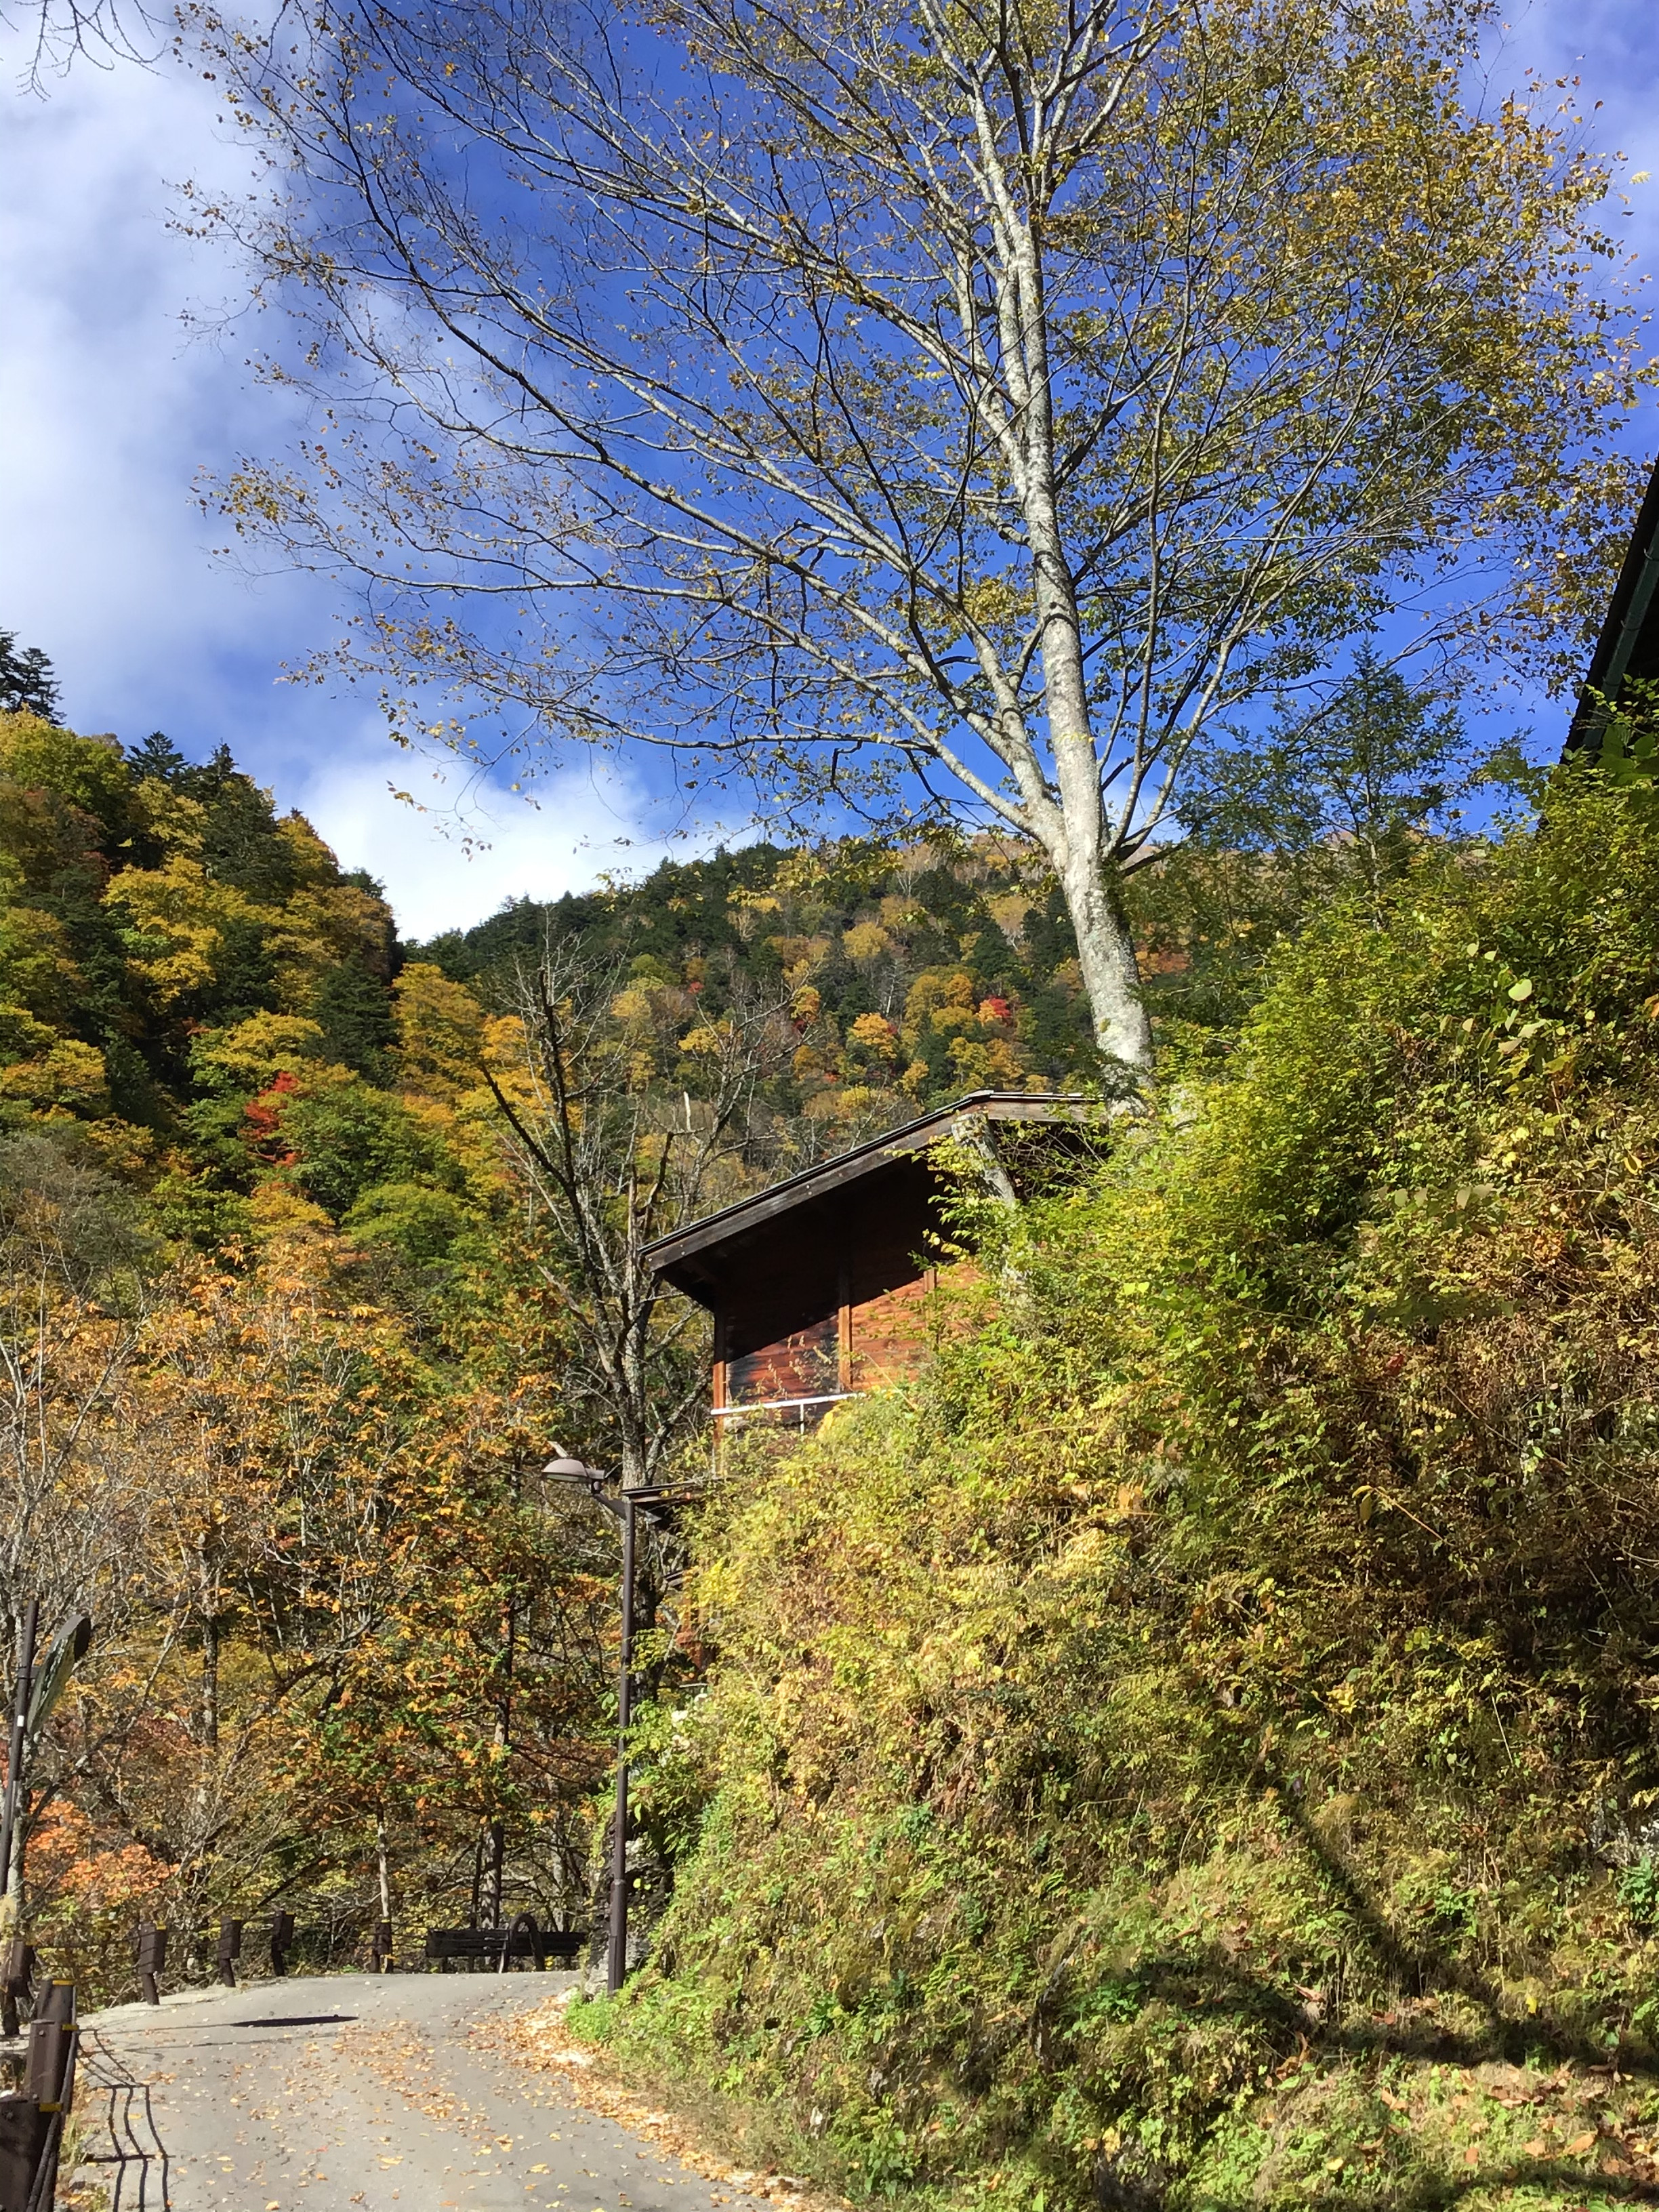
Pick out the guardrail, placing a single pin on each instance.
(32, 2118)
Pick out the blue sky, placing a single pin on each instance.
(112, 404)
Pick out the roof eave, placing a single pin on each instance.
(670, 1255)
(1630, 635)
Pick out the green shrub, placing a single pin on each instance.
(1231, 1675)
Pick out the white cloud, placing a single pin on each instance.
(447, 860)
(110, 409)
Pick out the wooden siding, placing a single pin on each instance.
(806, 1364)
(890, 1335)
(870, 1345)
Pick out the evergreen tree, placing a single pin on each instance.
(1366, 776)
(28, 685)
(159, 756)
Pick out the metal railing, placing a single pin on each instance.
(797, 1406)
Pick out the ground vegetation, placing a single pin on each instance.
(1197, 1747)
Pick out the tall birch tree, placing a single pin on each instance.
(965, 404)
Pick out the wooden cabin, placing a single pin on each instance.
(1627, 650)
(816, 1285)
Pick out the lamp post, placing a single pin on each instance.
(624, 1504)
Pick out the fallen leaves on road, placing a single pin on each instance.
(403, 2057)
(540, 2039)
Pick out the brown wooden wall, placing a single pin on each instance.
(805, 1365)
(870, 1345)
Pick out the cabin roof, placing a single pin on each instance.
(846, 1229)
(1628, 648)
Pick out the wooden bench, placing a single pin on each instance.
(493, 1947)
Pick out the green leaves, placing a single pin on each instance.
(1246, 1623)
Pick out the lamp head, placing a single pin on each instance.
(562, 1469)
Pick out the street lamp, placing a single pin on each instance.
(624, 1504)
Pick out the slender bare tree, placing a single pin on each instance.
(58, 33)
(76, 1493)
(609, 1160)
(971, 406)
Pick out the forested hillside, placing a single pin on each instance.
(1197, 1747)
(910, 975)
(250, 1198)
(291, 1314)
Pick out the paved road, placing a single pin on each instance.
(317, 2095)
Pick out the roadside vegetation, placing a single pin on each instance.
(293, 1309)
(1197, 1747)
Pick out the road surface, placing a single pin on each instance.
(318, 2095)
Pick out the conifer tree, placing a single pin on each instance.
(28, 685)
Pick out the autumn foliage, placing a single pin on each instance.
(1199, 1748)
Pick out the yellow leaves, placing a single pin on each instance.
(987, 1064)
(249, 1054)
(68, 1076)
(989, 602)
(865, 941)
(92, 773)
(175, 823)
(939, 992)
(38, 968)
(1083, 1556)
(874, 1034)
(800, 956)
(284, 1217)
(177, 920)
(441, 1033)
(321, 926)
(631, 1008)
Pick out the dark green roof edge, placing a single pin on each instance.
(1629, 644)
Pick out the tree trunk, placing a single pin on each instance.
(207, 1709)
(503, 1747)
(1111, 978)
(497, 1869)
(207, 1594)
(1076, 843)
(20, 1837)
(383, 1866)
(208, 1720)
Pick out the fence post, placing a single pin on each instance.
(230, 1950)
(282, 1936)
(152, 1956)
(49, 2087)
(16, 1974)
(48, 2061)
(24, 2129)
